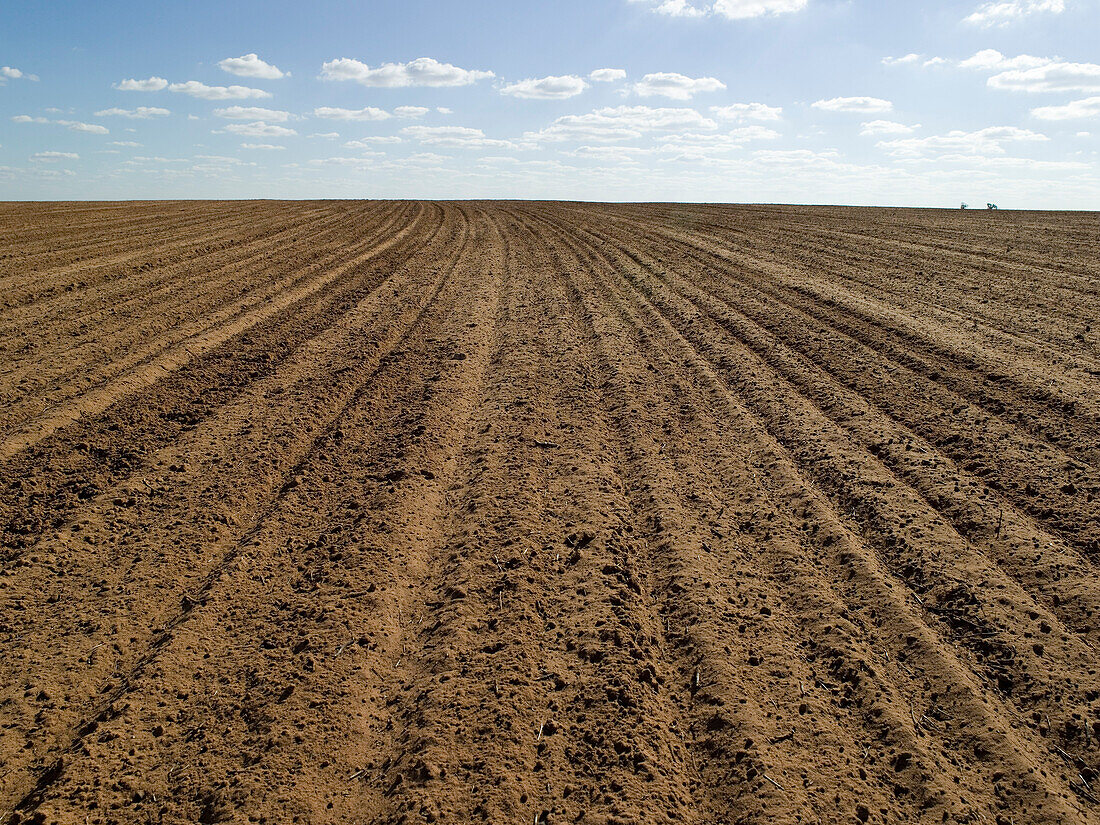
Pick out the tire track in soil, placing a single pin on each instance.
(889, 744)
(948, 420)
(134, 356)
(195, 596)
(53, 478)
(548, 721)
(103, 314)
(952, 671)
(1068, 585)
(551, 518)
(84, 272)
(153, 369)
(982, 381)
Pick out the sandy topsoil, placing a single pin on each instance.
(407, 512)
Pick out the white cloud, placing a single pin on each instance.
(454, 137)
(907, 60)
(200, 90)
(862, 105)
(90, 128)
(886, 127)
(343, 161)
(326, 135)
(443, 110)
(1052, 77)
(747, 111)
(128, 143)
(1074, 110)
(424, 71)
(140, 113)
(411, 111)
(675, 85)
(993, 60)
(606, 75)
(754, 132)
(554, 87)
(75, 125)
(336, 113)
(368, 142)
(703, 147)
(1004, 12)
(611, 154)
(261, 146)
(679, 8)
(10, 72)
(730, 9)
(150, 84)
(259, 129)
(617, 123)
(252, 113)
(740, 9)
(984, 142)
(249, 65)
(50, 157)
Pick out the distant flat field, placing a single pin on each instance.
(525, 512)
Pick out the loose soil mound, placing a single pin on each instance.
(530, 512)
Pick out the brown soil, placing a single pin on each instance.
(548, 513)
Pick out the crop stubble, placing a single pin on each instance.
(413, 511)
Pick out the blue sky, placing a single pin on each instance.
(803, 101)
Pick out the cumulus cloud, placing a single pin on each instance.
(344, 161)
(1052, 77)
(554, 87)
(424, 71)
(740, 9)
(747, 111)
(336, 113)
(194, 88)
(984, 142)
(261, 146)
(150, 84)
(679, 8)
(886, 127)
(1074, 110)
(617, 123)
(374, 140)
(75, 125)
(249, 65)
(90, 128)
(50, 157)
(252, 113)
(128, 143)
(606, 75)
(411, 111)
(993, 60)
(861, 105)
(676, 86)
(729, 9)
(454, 137)
(1004, 12)
(12, 73)
(140, 113)
(907, 60)
(259, 129)
(610, 154)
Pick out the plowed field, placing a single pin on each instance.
(548, 513)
